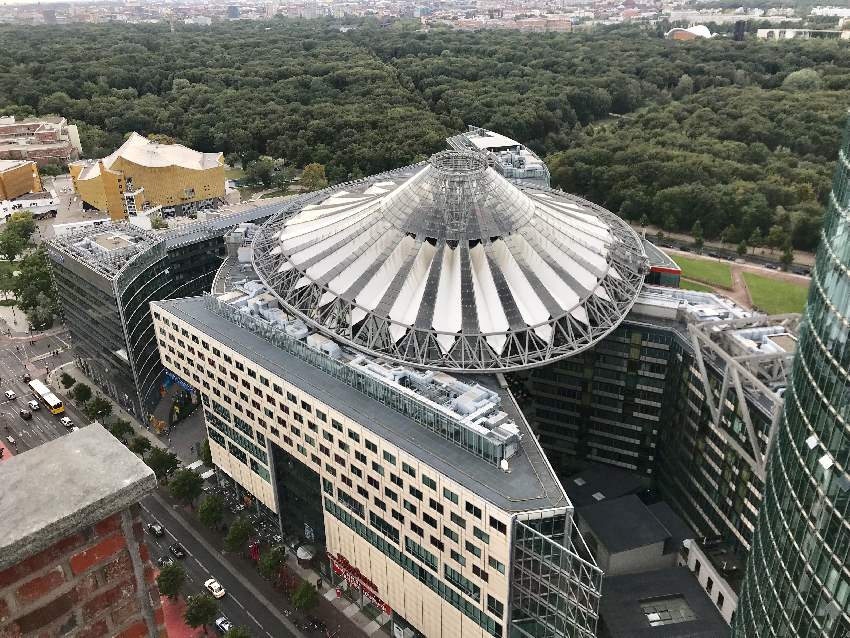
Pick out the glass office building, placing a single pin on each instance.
(797, 582)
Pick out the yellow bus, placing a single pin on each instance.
(47, 397)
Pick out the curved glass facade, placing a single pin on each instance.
(797, 582)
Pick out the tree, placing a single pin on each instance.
(162, 462)
(755, 239)
(696, 231)
(260, 171)
(802, 80)
(81, 392)
(67, 380)
(684, 87)
(34, 285)
(283, 178)
(16, 234)
(186, 486)
(201, 610)
(271, 561)
(211, 511)
(158, 223)
(305, 597)
(313, 177)
(98, 409)
(206, 453)
(238, 535)
(140, 445)
(777, 236)
(120, 429)
(787, 257)
(644, 221)
(238, 632)
(171, 579)
(742, 248)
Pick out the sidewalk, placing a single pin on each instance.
(174, 623)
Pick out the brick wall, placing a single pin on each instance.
(84, 585)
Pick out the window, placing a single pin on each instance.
(354, 436)
(709, 585)
(435, 506)
(336, 425)
(436, 542)
(494, 606)
(429, 482)
(382, 526)
(389, 458)
(339, 460)
(379, 503)
(362, 491)
(398, 516)
(391, 495)
(378, 468)
(429, 519)
(321, 416)
(457, 520)
(410, 507)
(408, 469)
(417, 551)
(291, 398)
(360, 456)
(666, 610)
(328, 486)
(499, 567)
(373, 482)
(473, 549)
(448, 531)
(396, 480)
(327, 436)
(372, 447)
(482, 536)
(480, 573)
(450, 495)
(415, 493)
(356, 471)
(416, 529)
(343, 446)
(463, 583)
(460, 560)
(720, 600)
(498, 525)
(472, 509)
(306, 407)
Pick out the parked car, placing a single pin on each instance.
(223, 625)
(178, 551)
(26, 415)
(68, 423)
(214, 587)
(164, 561)
(26, 377)
(156, 529)
(34, 405)
(10, 395)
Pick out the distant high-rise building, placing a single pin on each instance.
(797, 582)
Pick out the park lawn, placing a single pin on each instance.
(715, 273)
(233, 173)
(693, 285)
(775, 296)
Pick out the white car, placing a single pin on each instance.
(68, 423)
(34, 405)
(215, 588)
(11, 396)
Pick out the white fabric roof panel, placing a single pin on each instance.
(406, 250)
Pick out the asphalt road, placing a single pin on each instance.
(19, 356)
(243, 605)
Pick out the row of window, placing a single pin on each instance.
(447, 593)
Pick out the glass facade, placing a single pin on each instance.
(797, 582)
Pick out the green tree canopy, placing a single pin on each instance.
(271, 561)
(211, 510)
(162, 462)
(305, 596)
(238, 632)
(98, 408)
(802, 80)
(171, 580)
(238, 535)
(67, 380)
(313, 177)
(201, 610)
(186, 486)
(206, 453)
(82, 392)
(140, 445)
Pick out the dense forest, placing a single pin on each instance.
(741, 136)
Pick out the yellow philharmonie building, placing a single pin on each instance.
(143, 176)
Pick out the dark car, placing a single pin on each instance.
(156, 529)
(684, 249)
(177, 550)
(771, 266)
(165, 561)
(27, 378)
(26, 415)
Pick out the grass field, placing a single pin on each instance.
(710, 272)
(233, 173)
(693, 285)
(774, 296)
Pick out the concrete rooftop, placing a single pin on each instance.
(53, 490)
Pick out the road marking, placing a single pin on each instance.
(236, 600)
(251, 616)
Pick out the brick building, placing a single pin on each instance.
(44, 140)
(72, 557)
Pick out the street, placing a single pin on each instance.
(243, 604)
(18, 356)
